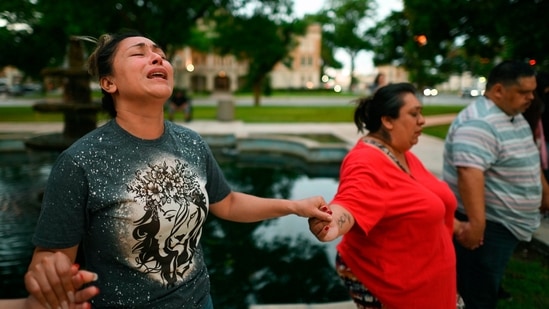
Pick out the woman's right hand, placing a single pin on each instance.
(81, 297)
(471, 236)
(50, 279)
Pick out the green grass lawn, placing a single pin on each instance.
(527, 280)
(243, 113)
(437, 131)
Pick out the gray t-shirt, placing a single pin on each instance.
(137, 208)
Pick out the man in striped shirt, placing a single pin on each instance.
(493, 166)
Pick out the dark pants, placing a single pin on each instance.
(209, 305)
(480, 271)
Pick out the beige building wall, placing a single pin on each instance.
(305, 66)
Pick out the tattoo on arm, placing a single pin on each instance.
(343, 219)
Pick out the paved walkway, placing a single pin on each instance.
(429, 150)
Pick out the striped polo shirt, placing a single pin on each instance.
(482, 136)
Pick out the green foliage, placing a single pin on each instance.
(263, 39)
(460, 31)
(433, 39)
(389, 36)
(52, 22)
(343, 22)
(439, 131)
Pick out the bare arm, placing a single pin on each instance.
(241, 207)
(49, 277)
(471, 191)
(342, 222)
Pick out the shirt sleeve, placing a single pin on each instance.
(475, 145)
(216, 186)
(361, 184)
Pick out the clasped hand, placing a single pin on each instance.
(469, 236)
(57, 283)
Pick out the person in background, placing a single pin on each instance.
(180, 102)
(135, 193)
(493, 166)
(542, 92)
(379, 81)
(395, 216)
(534, 116)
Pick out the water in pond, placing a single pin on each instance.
(22, 178)
(276, 261)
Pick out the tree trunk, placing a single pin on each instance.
(352, 83)
(257, 94)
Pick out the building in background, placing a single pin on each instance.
(208, 72)
(9, 76)
(305, 68)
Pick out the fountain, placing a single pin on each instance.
(80, 113)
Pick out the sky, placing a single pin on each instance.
(363, 62)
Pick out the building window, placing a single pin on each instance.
(306, 61)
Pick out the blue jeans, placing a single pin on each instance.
(480, 271)
(209, 304)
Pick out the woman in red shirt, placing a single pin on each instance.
(395, 216)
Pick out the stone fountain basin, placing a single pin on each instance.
(302, 148)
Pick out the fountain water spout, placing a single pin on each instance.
(79, 111)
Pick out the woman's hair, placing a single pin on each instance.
(101, 60)
(386, 101)
(378, 77)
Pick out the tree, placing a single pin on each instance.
(48, 24)
(483, 41)
(454, 44)
(396, 44)
(433, 39)
(263, 39)
(342, 27)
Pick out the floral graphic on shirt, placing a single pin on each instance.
(168, 233)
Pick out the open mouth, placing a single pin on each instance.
(157, 74)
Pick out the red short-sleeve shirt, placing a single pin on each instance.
(401, 244)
